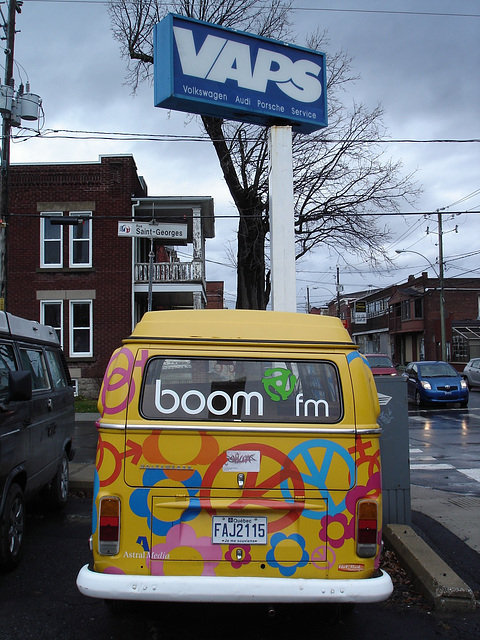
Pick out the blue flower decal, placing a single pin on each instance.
(289, 570)
(140, 501)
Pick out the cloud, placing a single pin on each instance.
(423, 69)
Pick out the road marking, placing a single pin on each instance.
(471, 473)
(431, 467)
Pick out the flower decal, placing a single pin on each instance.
(181, 536)
(140, 502)
(236, 564)
(275, 552)
(335, 530)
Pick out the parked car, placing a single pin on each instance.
(435, 382)
(37, 421)
(471, 373)
(381, 364)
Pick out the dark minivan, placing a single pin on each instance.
(37, 421)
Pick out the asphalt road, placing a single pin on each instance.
(445, 447)
(40, 601)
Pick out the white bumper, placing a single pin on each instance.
(220, 589)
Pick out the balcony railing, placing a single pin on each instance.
(169, 272)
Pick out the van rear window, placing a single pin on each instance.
(244, 390)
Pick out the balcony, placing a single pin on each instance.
(169, 272)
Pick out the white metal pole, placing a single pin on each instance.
(282, 232)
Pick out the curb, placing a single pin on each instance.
(81, 476)
(432, 577)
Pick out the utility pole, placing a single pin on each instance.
(339, 289)
(442, 288)
(14, 6)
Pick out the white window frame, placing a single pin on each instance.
(59, 330)
(72, 329)
(87, 217)
(43, 221)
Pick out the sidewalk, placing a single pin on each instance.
(432, 576)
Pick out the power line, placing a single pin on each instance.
(390, 12)
(80, 134)
(441, 14)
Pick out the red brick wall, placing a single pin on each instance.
(215, 295)
(109, 184)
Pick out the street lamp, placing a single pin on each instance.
(440, 277)
(311, 289)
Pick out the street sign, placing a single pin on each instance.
(167, 232)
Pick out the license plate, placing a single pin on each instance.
(239, 530)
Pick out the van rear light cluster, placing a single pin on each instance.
(109, 526)
(367, 528)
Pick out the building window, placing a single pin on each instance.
(80, 248)
(418, 308)
(406, 310)
(51, 242)
(81, 323)
(51, 313)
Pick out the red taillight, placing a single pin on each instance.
(109, 526)
(367, 528)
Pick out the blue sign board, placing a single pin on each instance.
(206, 69)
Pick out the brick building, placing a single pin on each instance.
(404, 320)
(68, 267)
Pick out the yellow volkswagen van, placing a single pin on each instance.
(238, 461)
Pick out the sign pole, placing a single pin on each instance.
(282, 230)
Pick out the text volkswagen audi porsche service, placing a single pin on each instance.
(238, 461)
(207, 69)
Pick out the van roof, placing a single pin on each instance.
(240, 325)
(29, 330)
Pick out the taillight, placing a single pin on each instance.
(367, 528)
(109, 526)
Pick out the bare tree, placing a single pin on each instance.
(340, 176)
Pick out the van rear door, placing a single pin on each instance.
(267, 441)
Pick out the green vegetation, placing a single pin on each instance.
(85, 405)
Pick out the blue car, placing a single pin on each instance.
(430, 382)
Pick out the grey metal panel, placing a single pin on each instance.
(394, 447)
(397, 506)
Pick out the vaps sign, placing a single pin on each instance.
(206, 69)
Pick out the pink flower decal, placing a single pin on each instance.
(329, 525)
(183, 535)
(236, 564)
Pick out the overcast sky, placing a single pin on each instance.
(419, 58)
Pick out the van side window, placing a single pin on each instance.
(241, 390)
(57, 371)
(7, 364)
(33, 360)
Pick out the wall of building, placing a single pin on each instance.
(106, 188)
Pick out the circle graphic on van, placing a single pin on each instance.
(279, 383)
(318, 460)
